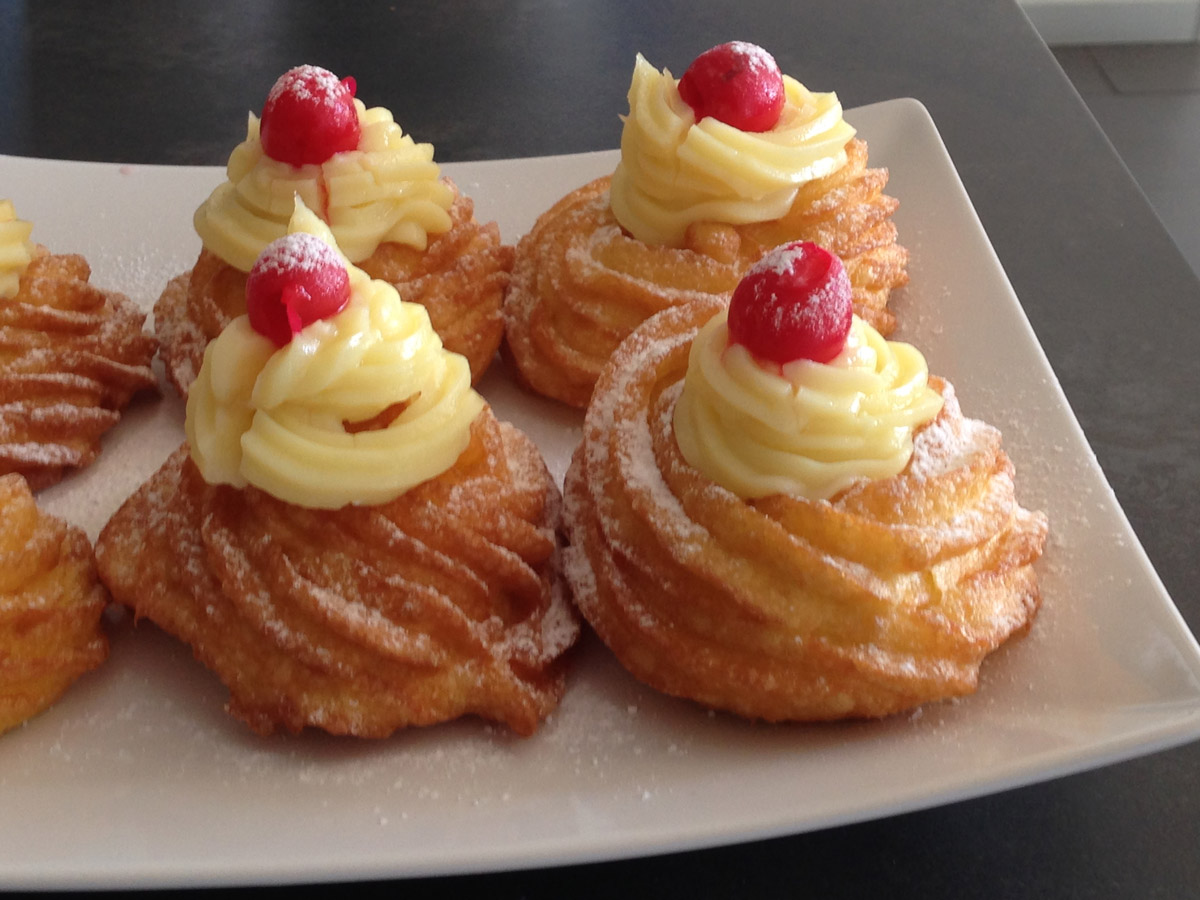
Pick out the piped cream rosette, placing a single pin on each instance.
(386, 190)
(16, 249)
(805, 428)
(675, 171)
(291, 420)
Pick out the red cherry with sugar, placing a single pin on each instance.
(793, 304)
(309, 116)
(737, 83)
(297, 280)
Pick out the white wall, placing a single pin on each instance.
(1114, 21)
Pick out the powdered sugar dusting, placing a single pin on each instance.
(579, 573)
(756, 59)
(309, 84)
(297, 252)
(633, 438)
(948, 442)
(780, 260)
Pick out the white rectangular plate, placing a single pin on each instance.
(138, 777)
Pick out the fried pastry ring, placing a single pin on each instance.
(885, 597)
(444, 602)
(51, 604)
(71, 357)
(581, 284)
(460, 278)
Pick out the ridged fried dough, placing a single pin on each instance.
(887, 596)
(71, 357)
(51, 604)
(460, 278)
(581, 284)
(442, 603)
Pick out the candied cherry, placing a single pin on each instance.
(297, 280)
(793, 304)
(309, 116)
(736, 83)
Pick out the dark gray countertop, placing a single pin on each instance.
(1111, 300)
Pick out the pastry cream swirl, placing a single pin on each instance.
(675, 171)
(277, 418)
(808, 429)
(16, 249)
(386, 190)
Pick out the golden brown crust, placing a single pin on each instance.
(888, 596)
(581, 284)
(444, 602)
(71, 357)
(460, 278)
(51, 604)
